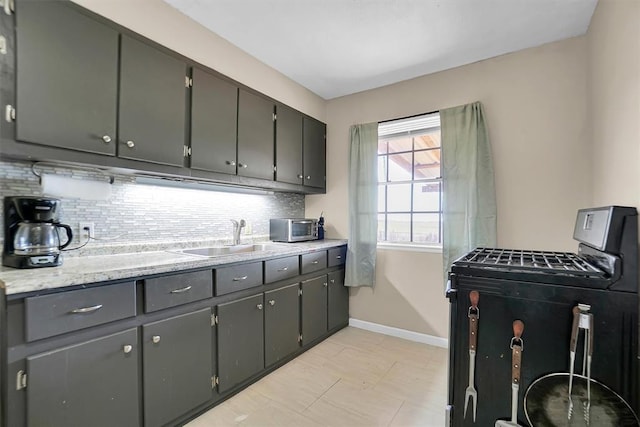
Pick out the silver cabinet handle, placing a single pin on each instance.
(86, 309)
(242, 165)
(130, 144)
(283, 269)
(155, 339)
(324, 284)
(315, 262)
(332, 281)
(127, 349)
(338, 256)
(106, 139)
(181, 290)
(259, 306)
(272, 302)
(300, 176)
(308, 176)
(231, 162)
(240, 279)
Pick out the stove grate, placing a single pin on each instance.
(528, 260)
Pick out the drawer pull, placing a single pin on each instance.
(272, 302)
(338, 256)
(283, 269)
(181, 290)
(240, 279)
(127, 349)
(315, 262)
(259, 306)
(86, 309)
(155, 339)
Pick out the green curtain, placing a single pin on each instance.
(363, 205)
(469, 198)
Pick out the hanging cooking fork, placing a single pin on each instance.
(582, 319)
(474, 315)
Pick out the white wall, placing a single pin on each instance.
(536, 106)
(160, 22)
(614, 99)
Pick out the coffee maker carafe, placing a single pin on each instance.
(31, 232)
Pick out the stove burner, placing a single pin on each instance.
(527, 260)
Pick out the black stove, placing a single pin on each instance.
(541, 288)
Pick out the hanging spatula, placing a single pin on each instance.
(517, 346)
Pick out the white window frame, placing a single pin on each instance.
(410, 127)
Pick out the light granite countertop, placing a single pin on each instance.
(80, 270)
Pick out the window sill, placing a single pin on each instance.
(409, 247)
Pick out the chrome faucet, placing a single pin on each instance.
(237, 229)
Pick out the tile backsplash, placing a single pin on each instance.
(137, 214)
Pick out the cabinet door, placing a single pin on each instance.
(152, 104)
(288, 145)
(67, 73)
(177, 366)
(94, 383)
(214, 119)
(240, 340)
(255, 136)
(314, 150)
(281, 323)
(338, 300)
(314, 309)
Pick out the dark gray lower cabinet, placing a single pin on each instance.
(240, 340)
(314, 309)
(94, 383)
(177, 366)
(281, 323)
(338, 300)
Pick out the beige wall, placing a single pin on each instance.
(158, 21)
(614, 100)
(535, 102)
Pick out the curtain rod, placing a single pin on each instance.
(408, 117)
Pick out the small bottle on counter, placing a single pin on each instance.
(321, 227)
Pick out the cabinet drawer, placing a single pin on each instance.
(337, 256)
(238, 277)
(313, 262)
(55, 314)
(280, 269)
(177, 289)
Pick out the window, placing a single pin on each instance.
(409, 181)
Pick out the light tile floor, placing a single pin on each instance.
(353, 378)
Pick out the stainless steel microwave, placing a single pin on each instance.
(293, 229)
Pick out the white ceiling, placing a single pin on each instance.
(339, 47)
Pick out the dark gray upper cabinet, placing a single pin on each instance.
(177, 366)
(152, 104)
(255, 136)
(66, 78)
(338, 300)
(94, 383)
(281, 323)
(314, 152)
(314, 309)
(240, 340)
(288, 145)
(214, 120)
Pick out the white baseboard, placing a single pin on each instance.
(399, 333)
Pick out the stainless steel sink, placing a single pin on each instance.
(230, 250)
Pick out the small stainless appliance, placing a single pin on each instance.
(293, 229)
(31, 232)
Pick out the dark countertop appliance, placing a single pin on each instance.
(31, 232)
(543, 288)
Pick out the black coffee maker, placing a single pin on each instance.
(31, 232)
